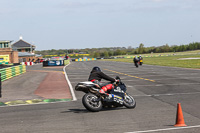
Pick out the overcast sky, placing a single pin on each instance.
(67, 24)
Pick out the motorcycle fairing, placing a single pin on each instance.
(119, 90)
(83, 86)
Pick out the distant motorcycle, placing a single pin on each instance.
(135, 60)
(140, 62)
(136, 64)
(95, 101)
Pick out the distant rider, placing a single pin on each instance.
(135, 60)
(96, 75)
(140, 60)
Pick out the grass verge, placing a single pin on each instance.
(173, 61)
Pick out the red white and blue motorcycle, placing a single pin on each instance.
(95, 101)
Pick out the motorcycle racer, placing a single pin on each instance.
(135, 60)
(140, 60)
(96, 75)
(94, 101)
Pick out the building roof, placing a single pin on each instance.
(38, 55)
(21, 44)
(3, 41)
(26, 54)
(23, 54)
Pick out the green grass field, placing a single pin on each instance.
(171, 60)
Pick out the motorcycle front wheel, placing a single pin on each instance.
(136, 64)
(91, 103)
(129, 101)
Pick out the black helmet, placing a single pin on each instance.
(97, 69)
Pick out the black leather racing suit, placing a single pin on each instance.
(96, 76)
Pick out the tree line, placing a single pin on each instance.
(115, 51)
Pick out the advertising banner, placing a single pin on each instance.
(55, 63)
(4, 59)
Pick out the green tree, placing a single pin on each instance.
(166, 48)
(141, 48)
(96, 54)
(118, 52)
(106, 54)
(110, 53)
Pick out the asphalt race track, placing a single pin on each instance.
(156, 89)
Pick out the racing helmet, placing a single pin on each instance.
(97, 69)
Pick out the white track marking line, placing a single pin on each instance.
(71, 89)
(70, 85)
(166, 129)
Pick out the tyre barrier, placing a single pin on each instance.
(89, 59)
(9, 72)
(33, 101)
(28, 63)
(66, 62)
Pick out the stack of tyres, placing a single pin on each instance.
(7, 73)
(3, 74)
(17, 70)
(21, 69)
(13, 71)
(24, 69)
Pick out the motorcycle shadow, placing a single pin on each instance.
(86, 111)
(76, 111)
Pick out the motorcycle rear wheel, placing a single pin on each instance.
(129, 101)
(90, 104)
